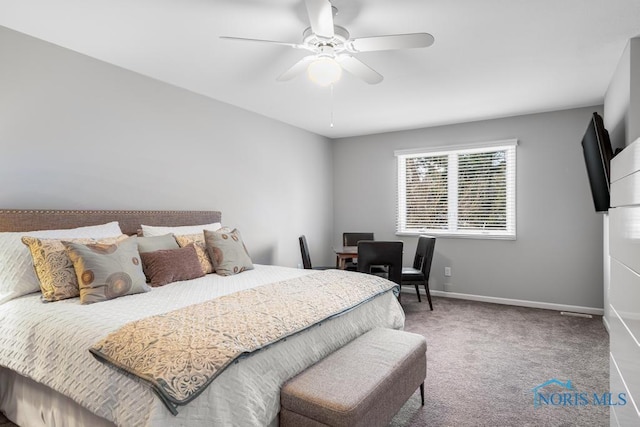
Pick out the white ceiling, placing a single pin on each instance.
(491, 58)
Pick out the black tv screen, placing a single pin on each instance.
(597, 156)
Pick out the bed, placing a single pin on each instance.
(48, 376)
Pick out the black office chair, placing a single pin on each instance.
(419, 273)
(378, 253)
(352, 239)
(306, 259)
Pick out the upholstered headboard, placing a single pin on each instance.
(130, 221)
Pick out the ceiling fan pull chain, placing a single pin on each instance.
(331, 106)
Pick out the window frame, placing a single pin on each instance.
(510, 233)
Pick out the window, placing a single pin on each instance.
(465, 191)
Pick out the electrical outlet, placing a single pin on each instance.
(447, 272)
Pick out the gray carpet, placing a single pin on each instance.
(484, 359)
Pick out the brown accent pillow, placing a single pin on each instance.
(198, 241)
(171, 265)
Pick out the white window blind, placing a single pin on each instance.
(463, 191)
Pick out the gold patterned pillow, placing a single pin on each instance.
(54, 268)
(201, 249)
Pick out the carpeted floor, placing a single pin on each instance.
(483, 360)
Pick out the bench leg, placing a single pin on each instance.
(422, 393)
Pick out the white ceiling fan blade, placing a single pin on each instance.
(359, 69)
(397, 41)
(242, 39)
(297, 68)
(320, 17)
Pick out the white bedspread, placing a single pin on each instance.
(48, 342)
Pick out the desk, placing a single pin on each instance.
(343, 253)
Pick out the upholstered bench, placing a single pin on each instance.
(365, 383)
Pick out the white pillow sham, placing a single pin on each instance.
(151, 230)
(17, 276)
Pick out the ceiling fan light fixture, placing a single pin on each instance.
(324, 71)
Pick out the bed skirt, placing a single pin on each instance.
(28, 403)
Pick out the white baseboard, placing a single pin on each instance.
(606, 324)
(517, 302)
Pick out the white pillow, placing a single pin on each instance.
(150, 230)
(17, 276)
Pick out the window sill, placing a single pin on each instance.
(446, 234)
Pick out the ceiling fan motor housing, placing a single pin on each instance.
(337, 42)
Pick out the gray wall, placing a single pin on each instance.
(79, 133)
(622, 99)
(557, 255)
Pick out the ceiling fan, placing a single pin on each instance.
(332, 47)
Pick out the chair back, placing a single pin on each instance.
(352, 239)
(304, 251)
(424, 254)
(388, 254)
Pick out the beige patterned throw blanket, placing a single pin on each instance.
(180, 352)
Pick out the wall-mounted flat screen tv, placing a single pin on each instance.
(597, 156)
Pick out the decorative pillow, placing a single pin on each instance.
(197, 240)
(107, 271)
(171, 265)
(227, 252)
(54, 268)
(151, 230)
(17, 276)
(156, 243)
